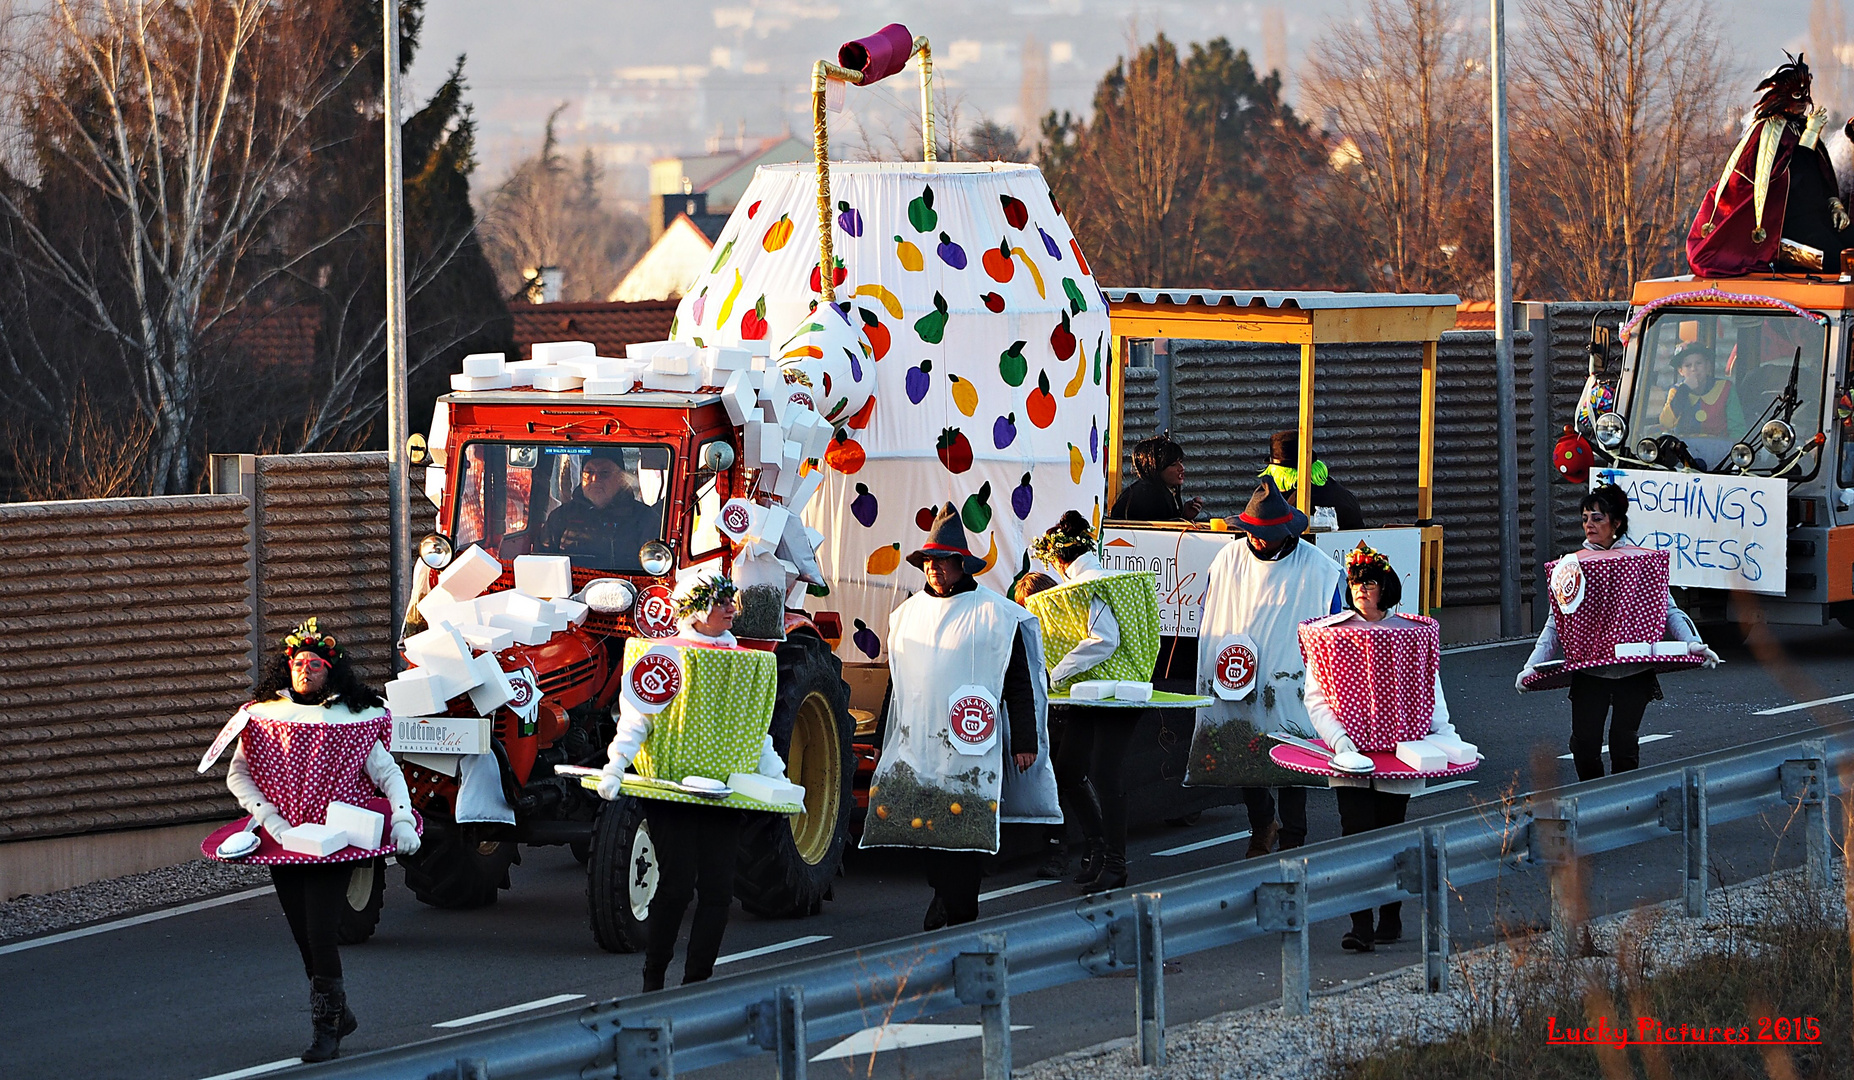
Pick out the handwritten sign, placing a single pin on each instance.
(1720, 532)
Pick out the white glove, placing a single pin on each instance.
(1812, 126)
(1838, 214)
(1712, 658)
(1344, 745)
(1525, 673)
(608, 785)
(276, 825)
(405, 838)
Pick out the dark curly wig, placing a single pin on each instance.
(342, 683)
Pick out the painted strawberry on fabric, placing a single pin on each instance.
(955, 450)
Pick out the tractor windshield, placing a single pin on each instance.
(597, 504)
(1713, 378)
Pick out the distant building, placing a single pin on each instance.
(673, 263)
(610, 326)
(720, 178)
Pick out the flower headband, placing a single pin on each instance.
(715, 590)
(1364, 557)
(307, 637)
(1048, 548)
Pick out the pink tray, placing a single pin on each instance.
(1293, 757)
(271, 853)
(1559, 675)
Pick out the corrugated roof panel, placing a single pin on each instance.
(1307, 300)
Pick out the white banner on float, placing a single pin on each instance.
(1720, 532)
(1179, 558)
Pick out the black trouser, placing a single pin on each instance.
(1361, 810)
(1293, 805)
(313, 897)
(954, 876)
(1623, 701)
(1094, 755)
(697, 847)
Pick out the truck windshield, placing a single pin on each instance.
(597, 504)
(1713, 377)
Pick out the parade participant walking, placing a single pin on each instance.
(694, 712)
(1259, 592)
(1376, 676)
(1158, 493)
(1096, 625)
(964, 744)
(1618, 692)
(314, 736)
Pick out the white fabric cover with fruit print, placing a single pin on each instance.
(987, 343)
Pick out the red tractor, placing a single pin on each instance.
(512, 464)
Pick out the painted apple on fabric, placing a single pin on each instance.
(1022, 497)
(921, 214)
(976, 512)
(845, 454)
(875, 332)
(997, 263)
(863, 507)
(917, 381)
(993, 303)
(1013, 366)
(923, 518)
(1062, 339)
(753, 323)
(951, 253)
(1040, 406)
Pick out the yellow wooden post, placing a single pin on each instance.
(1426, 438)
(1303, 488)
(1116, 420)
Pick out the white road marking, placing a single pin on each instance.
(1804, 705)
(257, 1070)
(1214, 841)
(1645, 740)
(135, 920)
(1489, 645)
(768, 950)
(1013, 890)
(497, 1014)
(902, 1036)
(1450, 786)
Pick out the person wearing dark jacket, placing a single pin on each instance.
(1283, 469)
(1156, 496)
(602, 523)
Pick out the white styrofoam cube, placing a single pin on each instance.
(818, 439)
(488, 604)
(774, 402)
(523, 605)
(1422, 755)
(418, 692)
(471, 383)
(644, 350)
(670, 382)
(523, 371)
(313, 838)
(1634, 649)
(771, 449)
(620, 385)
(737, 397)
(1671, 648)
(437, 606)
(718, 362)
(441, 734)
(470, 573)
(443, 764)
(675, 358)
(546, 576)
(488, 638)
(527, 631)
(1092, 690)
(766, 788)
(1454, 749)
(795, 595)
(434, 484)
(789, 470)
(557, 380)
(574, 611)
(767, 480)
(493, 689)
(552, 352)
(768, 528)
(801, 497)
(1132, 691)
(442, 650)
(484, 363)
(363, 827)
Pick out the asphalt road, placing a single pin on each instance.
(218, 991)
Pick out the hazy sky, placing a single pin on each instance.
(526, 58)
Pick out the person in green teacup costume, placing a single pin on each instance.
(715, 726)
(1096, 625)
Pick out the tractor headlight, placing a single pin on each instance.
(1743, 455)
(1779, 438)
(656, 558)
(1611, 430)
(1648, 450)
(435, 551)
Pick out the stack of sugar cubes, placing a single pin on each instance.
(1435, 753)
(466, 627)
(1110, 690)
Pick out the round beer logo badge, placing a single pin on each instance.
(655, 680)
(974, 719)
(1235, 666)
(1567, 584)
(655, 612)
(524, 691)
(735, 518)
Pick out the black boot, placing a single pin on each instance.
(1390, 924)
(1091, 861)
(330, 1018)
(1113, 873)
(1056, 864)
(1358, 939)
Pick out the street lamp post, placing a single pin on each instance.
(1503, 340)
(396, 417)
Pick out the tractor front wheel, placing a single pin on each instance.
(621, 876)
(459, 866)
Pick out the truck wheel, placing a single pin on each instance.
(366, 896)
(621, 876)
(459, 866)
(787, 864)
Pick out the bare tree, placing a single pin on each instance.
(546, 213)
(1828, 58)
(1404, 95)
(180, 125)
(1618, 129)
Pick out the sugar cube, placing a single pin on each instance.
(470, 573)
(1132, 691)
(1422, 755)
(674, 358)
(552, 352)
(1634, 649)
(544, 575)
(493, 689)
(1092, 690)
(571, 610)
(1454, 749)
(488, 638)
(644, 350)
(557, 380)
(363, 827)
(470, 383)
(1671, 648)
(612, 387)
(312, 838)
(522, 372)
(488, 604)
(801, 495)
(738, 397)
(527, 631)
(523, 606)
(718, 362)
(418, 692)
(484, 363)
(437, 606)
(442, 650)
(766, 789)
(795, 595)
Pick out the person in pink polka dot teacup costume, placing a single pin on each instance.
(1396, 695)
(316, 734)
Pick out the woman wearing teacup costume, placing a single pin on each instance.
(1373, 680)
(1096, 625)
(315, 735)
(695, 708)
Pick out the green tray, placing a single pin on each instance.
(1160, 700)
(645, 788)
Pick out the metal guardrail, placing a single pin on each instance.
(779, 1010)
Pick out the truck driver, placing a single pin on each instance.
(603, 522)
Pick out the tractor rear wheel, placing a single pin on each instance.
(787, 865)
(621, 876)
(460, 866)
